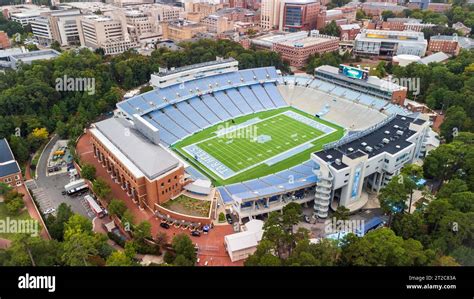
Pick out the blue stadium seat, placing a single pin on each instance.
(199, 106)
(351, 95)
(274, 180)
(187, 110)
(326, 86)
(165, 135)
(179, 118)
(255, 184)
(169, 124)
(250, 98)
(239, 101)
(366, 100)
(227, 103)
(140, 102)
(213, 105)
(248, 76)
(272, 72)
(275, 95)
(226, 198)
(262, 96)
(236, 188)
(125, 106)
(261, 73)
(338, 91)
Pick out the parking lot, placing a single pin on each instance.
(48, 187)
(59, 159)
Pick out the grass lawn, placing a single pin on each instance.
(3, 216)
(245, 155)
(188, 206)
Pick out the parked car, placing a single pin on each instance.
(195, 233)
(229, 218)
(164, 225)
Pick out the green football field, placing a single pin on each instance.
(241, 150)
(257, 145)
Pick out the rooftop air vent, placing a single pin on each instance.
(329, 156)
(399, 132)
(397, 146)
(242, 79)
(385, 140)
(229, 82)
(364, 144)
(368, 149)
(350, 149)
(387, 132)
(268, 76)
(338, 161)
(255, 77)
(404, 118)
(395, 126)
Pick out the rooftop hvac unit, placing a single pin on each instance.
(385, 140)
(350, 149)
(338, 161)
(387, 132)
(397, 146)
(368, 149)
(399, 132)
(329, 156)
(364, 144)
(395, 126)
(404, 118)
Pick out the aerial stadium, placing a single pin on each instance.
(254, 140)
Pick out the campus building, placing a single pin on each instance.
(297, 52)
(181, 30)
(148, 173)
(10, 172)
(104, 32)
(297, 15)
(389, 43)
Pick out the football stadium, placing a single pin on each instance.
(256, 140)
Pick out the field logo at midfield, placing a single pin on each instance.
(236, 132)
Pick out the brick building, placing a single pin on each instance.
(10, 172)
(297, 52)
(443, 43)
(146, 171)
(4, 41)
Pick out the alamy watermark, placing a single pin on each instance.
(411, 84)
(333, 226)
(85, 84)
(232, 132)
(19, 226)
